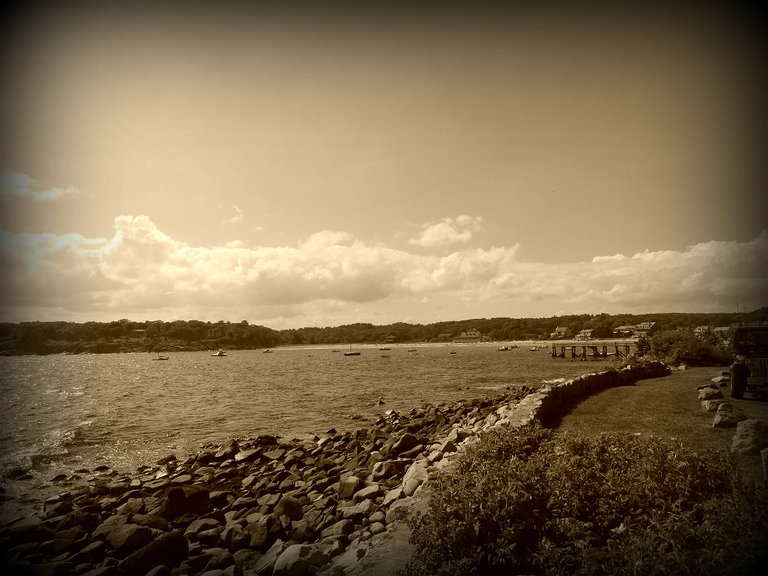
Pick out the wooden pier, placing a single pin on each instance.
(595, 349)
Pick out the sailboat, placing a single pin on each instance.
(351, 353)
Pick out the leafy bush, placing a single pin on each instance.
(533, 501)
(678, 346)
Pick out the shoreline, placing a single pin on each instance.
(265, 502)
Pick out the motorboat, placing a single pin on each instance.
(219, 353)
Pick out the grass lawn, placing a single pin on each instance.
(667, 407)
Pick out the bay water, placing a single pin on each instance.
(68, 413)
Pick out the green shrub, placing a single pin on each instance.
(533, 501)
(677, 346)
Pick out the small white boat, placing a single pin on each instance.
(159, 357)
(267, 351)
(219, 353)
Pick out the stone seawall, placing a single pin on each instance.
(268, 505)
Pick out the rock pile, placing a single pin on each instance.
(727, 414)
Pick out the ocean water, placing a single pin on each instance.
(66, 413)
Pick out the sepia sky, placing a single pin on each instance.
(296, 164)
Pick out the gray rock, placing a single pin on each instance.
(348, 485)
(368, 492)
(392, 495)
(227, 450)
(199, 525)
(352, 556)
(414, 477)
(711, 405)
(406, 442)
(377, 527)
(150, 520)
(751, 437)
(342, 527)
(248, 455)
(727, 416)
(289, 506)
(132, 506)
(265, 565)
(709, 393)
(109, 524)
(29, 530)
(297, 559)
(129, 537)
(447, 447)
(259, 536)
(383, 470)
(218, 559)
(167, 549)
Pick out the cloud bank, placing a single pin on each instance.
(332, 278)
(19, 185)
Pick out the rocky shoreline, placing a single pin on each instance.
(268, 505)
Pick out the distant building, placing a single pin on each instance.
(559, 333)
(468, 337)
(641, 330)
(625, 331)
(585, 334)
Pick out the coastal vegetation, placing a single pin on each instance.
(679, 346)
(533, 500)
(157, 336)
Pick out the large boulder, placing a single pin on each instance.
(348, 485)
(185, 499)
(751, 437)
(289, 506)
(297, 559)
(414, 477)
(129, 537)
(265, 565)
(227, 450)
(709, 393)
(728, 416)
(406, 442)
(166, 550)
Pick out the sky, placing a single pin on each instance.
(315, 164)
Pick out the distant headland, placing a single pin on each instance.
(190, 335)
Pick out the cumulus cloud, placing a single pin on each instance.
(332, 277)
(447, 232)
(19, 185)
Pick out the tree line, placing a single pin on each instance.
(159, 336)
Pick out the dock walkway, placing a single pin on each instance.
(584, 349)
